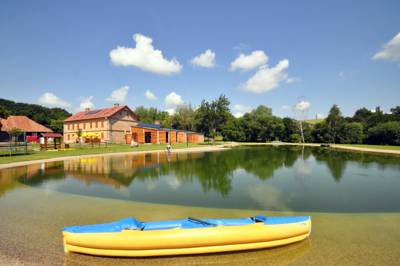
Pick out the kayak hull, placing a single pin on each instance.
(183, 251)
(178, 241)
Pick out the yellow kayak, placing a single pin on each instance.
(132, 238)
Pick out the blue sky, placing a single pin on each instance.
(318, 52)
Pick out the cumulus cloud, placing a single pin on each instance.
(86, 103)
(150, 96)
(302, 106)
(173, 101)
(240, 110)
(51, 100)
(145, 57)
(119, 95)
(246, 62)
(265, 79)
(206, 59)
(390, 51)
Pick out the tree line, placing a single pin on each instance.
(215, 120)
(52, 118)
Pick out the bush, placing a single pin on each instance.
(386, 134)
(295, 138)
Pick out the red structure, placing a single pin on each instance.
(154, 133)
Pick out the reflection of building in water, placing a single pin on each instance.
(119, 171)
(11, 177)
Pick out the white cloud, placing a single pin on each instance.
(145, 57)
(170, 111)
(119, 95)
(150, 96)
(206, 59)
(302, 106)
(265, 79)
(51, 100)
(240, 110)
(390, 51)
(86, 103)
(250, 61)
(286, 107)
(319, 116)
(292, 80)
(173, 101)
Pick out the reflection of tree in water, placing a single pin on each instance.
(336, 160)
(213, 170)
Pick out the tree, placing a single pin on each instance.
(386, 134)
(334, 122)
(290, 127)
(211, 117)
(351, 133)
(4, 113)
(14, 133)
(184, 118)
(321, 133)
(233, 131)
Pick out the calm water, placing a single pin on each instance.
(264, 178)
(335, 188)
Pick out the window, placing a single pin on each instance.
(84, 125)
(102, 135)
(102, 124)
(91, 124)
(97, 125)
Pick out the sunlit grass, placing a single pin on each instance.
(77, 150)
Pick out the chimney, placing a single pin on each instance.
(157, 122)
(87, 109)
(116, 104)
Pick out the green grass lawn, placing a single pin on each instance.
(381, 147)
(76, 150)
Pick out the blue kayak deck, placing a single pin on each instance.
(189, 223)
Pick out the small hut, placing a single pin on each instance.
(51, 141)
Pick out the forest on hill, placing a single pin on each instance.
(50, 117)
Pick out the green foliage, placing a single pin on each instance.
(212, 116)
(40, 114)
(386, 133)
(4, 113)
(233, 131)
(184, 118)
(295, 137)
(150, 115)
(351, 133)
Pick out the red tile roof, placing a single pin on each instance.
(23, 123)
(95, 114)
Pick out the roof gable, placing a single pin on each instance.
(23, 123)
(96, 114)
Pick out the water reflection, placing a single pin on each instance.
(277, 178)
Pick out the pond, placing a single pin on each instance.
(352, 192)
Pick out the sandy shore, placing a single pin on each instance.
(56, 159)
(334, 146)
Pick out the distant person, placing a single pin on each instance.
(134, 144)
(168, 148)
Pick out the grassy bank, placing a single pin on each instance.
(366, 146)
(87, 150)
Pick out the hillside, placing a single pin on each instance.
(49, 117)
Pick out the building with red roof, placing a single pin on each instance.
(24, 124)
(107, 124)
